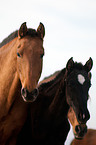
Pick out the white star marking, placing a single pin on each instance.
(81, 79)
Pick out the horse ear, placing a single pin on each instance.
(22, 31)
(89, 64)
(70, 64)
(41, 30)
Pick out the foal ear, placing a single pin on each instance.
(90, 75)
(22, 31)
(70, 64)
(89, 64)
(41, 30)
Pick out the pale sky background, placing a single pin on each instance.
(70, 32)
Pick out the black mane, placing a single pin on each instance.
(60, 75)
(30, 32)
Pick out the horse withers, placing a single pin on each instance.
(21, 56)
(48, 123)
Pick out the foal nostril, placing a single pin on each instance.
(83, 117)
(77, 129)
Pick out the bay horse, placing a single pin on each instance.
(89, 138)
(48, 123)
(21, 56)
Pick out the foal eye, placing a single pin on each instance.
(41, 56)
(18, 54)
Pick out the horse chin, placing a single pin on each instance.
(78, 137)
(29, 99)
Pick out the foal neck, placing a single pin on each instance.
(54, 91)
(51, 84)
(59, 105)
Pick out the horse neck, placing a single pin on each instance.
(8, 60)
(8, 68)
(56, 96)
(59, 105)
(50, 85)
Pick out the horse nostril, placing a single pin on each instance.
(35, 92)
(77, 129)
(29, 96)
(83, 117)
(81, 130)
(24, 92)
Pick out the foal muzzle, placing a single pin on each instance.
(80, 131)
(29, 96)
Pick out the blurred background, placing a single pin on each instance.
(70, 32)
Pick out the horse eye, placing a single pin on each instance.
(18, 54)
(19, 45)
(41, 56)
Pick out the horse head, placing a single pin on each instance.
(30, 53)
(78, 82)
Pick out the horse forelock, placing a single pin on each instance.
(78, 66)
(59, 74)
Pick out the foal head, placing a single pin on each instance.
(79, 130)
(30, 53)
(77, 86)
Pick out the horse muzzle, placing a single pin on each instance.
(29, 96)
(83, 116)
(80, 131)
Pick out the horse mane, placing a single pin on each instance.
(55, 73)
(59, 76)
(49, 83)
(9, 38)
(30, 32)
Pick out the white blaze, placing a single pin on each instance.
(81, 79)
